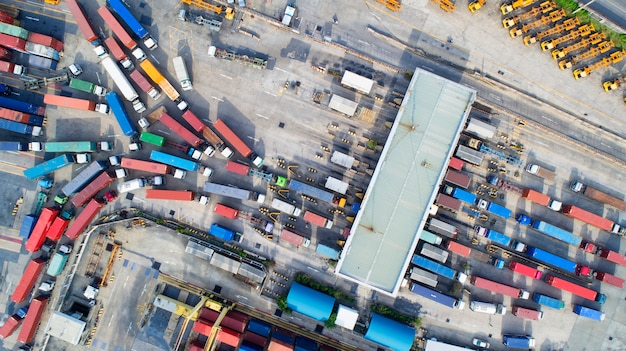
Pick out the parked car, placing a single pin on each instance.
(480, 343)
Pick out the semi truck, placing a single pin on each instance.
(457, 178)
(231, 191)
(461, 194)
(122, 83)
(494, 208)
(421, 276)
(434, 253)
(10, 67)
(216, 141)
(132, 23)
(311, 191)
(143, 84)
(82, 178)
(79, 104)
(549, 301)
(239, 168)
(612, 256)
(539, 171)
(499, 288)
(117, 29)
(286, 207)
(20, 128)
(178, 129)
(317, 220)
(84, 24)
(48, 166)
(609, 279)
(487, 307)
(430, 237)
(443, 228)
(177, 195)
(600, 196)
(194, 121)
(588, 313)
(83, 219)
(591, 218)
(225, 233)
(541, 199)
(57, 228)
(557, 233)
(552, 259)
(38, 235)
(145, 166)
(87, 87)
(237, 143)
(437, 296)
(438, 268)
(123, 120)
(294, 238)
(18, 146)
(42, 50)
(226, 211)
(174, 161)
(27, 281)
(575, 289)
(91, 189)
(527, 313)
(116, 50)
(163, 83)
(181, 73)
(21, 106)
(493, 235)
(525, 270)
(21, 117)
(76, 146)
(518, 341)
(32, 319)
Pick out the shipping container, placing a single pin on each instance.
(69, 102)
(436, 296)
(430, 237)
(84, 24)
(43, 51)
(237, 143)
(9, 326)
(317, 220)
(458, 248)
(259, 327)
(327, 251)
(588, 217)
(228, 191)
(224, 233)
(57, 228)
(28, 224)
(119, 111)
(536, 197)
(552, 259)
(525, 270)
(143, 84)
(99, 183)
(238, 168)
(292, 237)
(12, 30)
(233, 320)
(499, 288)
(336, 185)
(117, 28)
(575, 289)
(527, 313)
(305, 344)
(84, 219)
(121, 82)
(434, 267)
(613, 256)
(42, 63)
(146, 166)
(174, 161)
(132, 23)
(176, 195)
(464, 196)
(285, 207)
(443, 228)
(434, 252)
(557, 233)
(22, 106)
(548, 301)
(609, 279)
(202, 327)
(179, 129)
(518, 341)
(11, 42)
(449, 202)
(20, 128)
(311, 191)
(228, 336)
(38, 235)
(21, 117)
(45, 40)
(152, 139)
(421, 276)
(84, 177)
(49, 166)
(216, 141)
(588, 313)
(71, 146)
(493, 235)
(249, 346)
(341, 159)
(481, 129)
(194, 121)
(32, 319)
(27, 281)
(57, 263)
(253, 341)
(7, 18)
(226, 211)
(458, 179)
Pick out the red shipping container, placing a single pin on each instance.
(196, 346)
(9, 326)
(613, 256)
(57, 228)
(194, 121)
(610, 279)
(458, 248)
(38, 236)
(536, 197)
(572, 288)
(232, 138)
(496, 287)
(101, 182)
(458, 178)
(316, 219)
(13, 115)
(177, 195)
(233, 320)
(527, 313)
(26, 283)
(525, 270)
(6, 18)
(229, 337)
(255, 339)
(115, 49)
(202, 326)
(117, 28)
(32, 319)
(45, 40)
(146, 166)
(69, 102)
(449, 202)
(226, 211)
(12, 42)
(238, 168)
(84, 218)
(588, 217)
(456, 163)
(81, 19)
(180, 130)
(5, 54)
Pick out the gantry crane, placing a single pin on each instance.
(591, 53)
(544, 7)
(204, 5)
(614, 57)
(568, 24)
(579, 32)
(210, 343)
(517, 4)
(593, 39)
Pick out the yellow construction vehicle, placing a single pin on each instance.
(593, 39)
(591, 53)
(230, 13)
(568, 24)
(543, 21)
(610, 85)
(508, 8)
(204, 5)
(393, 5)
(544, 7)
(476, 5)
(446, 5)
(580, 32)
(615, 57)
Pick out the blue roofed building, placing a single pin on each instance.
(309, 302)
(389, 333)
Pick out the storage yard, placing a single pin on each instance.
(258, 175)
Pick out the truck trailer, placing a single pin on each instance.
(122, 83)
(216, 141)
(457, 178)
(226, 211)
(317, 220)
(434, 253)
(518, 341)
(181, 73)
(612, 256)
(421, 276)
(117, 29)
(438, 268)
(42, 50)
(89, 191)
(174, 161)
(49, 166)
(225, 233)
(132, 23)
(294, 238)
(178, 129)
(82, 178)
(83, 219)
(609, 279)
(20, 128)
(430, 237)
(231, 191)
(21, 117)
(286, 207)
(84, 24)
(116, 50)
(178, 195)
(527, 313)
(557, 233)
(539, 171)
(499, 288)
(548, 301)
(311, 191)
(22, 106)
(590, 218)
(448, 202)
(525, 270)
(494, 208)
(493, 235)
(461, 194)
(239, 168)
(552, 259)
(443, 228)
(536, 197)
(588, 313)
(143, 84)
(32, 319)
(575, 289)
(145, 166)
(458, 249)
(57, 228)
(437, 296)
(237, 143)
(79, 104)
(38, 235)
(28, 224)
(87, 87)
(598, 195)
(27, 281)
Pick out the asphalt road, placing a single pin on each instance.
(612, 10)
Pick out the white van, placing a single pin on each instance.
(131, 185)
(487, 307)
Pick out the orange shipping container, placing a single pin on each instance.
(229, 337)
(202, 326)
(536, 197)
(146, 166)
(64, 101)
(458, 248)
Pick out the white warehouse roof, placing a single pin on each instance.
(343, 105)
(64, 327)
(346, 317)
(355, 81)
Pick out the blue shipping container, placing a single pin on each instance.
(27, 226)
(498, 237)
(548, 301)
(311, 191)
(246, 346)
(464, 196)
(117, 107)
(518, 341)
(588, 313)
(13, 146)
(557, 233)
(128, 18)
(287, 339)
(259, 327)
(48, 166)
(552, 259)
(433, 266)
(433, 295)
(327, 251)
(304, 344)
(221, 232)
(173, 161)
(499, 210)
(16, 127)
(22, 106)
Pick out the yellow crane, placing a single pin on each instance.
(591, 53)
(204, 5)
(508, 8)
(579, 32)
(592, 39)
(615, 57)
(544, 7)
(543, 21)
(476, 5)
(210, 343)
(568, 24)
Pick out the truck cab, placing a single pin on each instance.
(139, 54)
(82, 158)
(179, 173)
(523, 219)
(576, 186)
(102, 108)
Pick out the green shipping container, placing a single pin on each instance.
(152, 139)
(57, 264)
(71, 146)
(13, 30)
(81, 85)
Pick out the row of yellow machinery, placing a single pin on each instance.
(229, 12)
